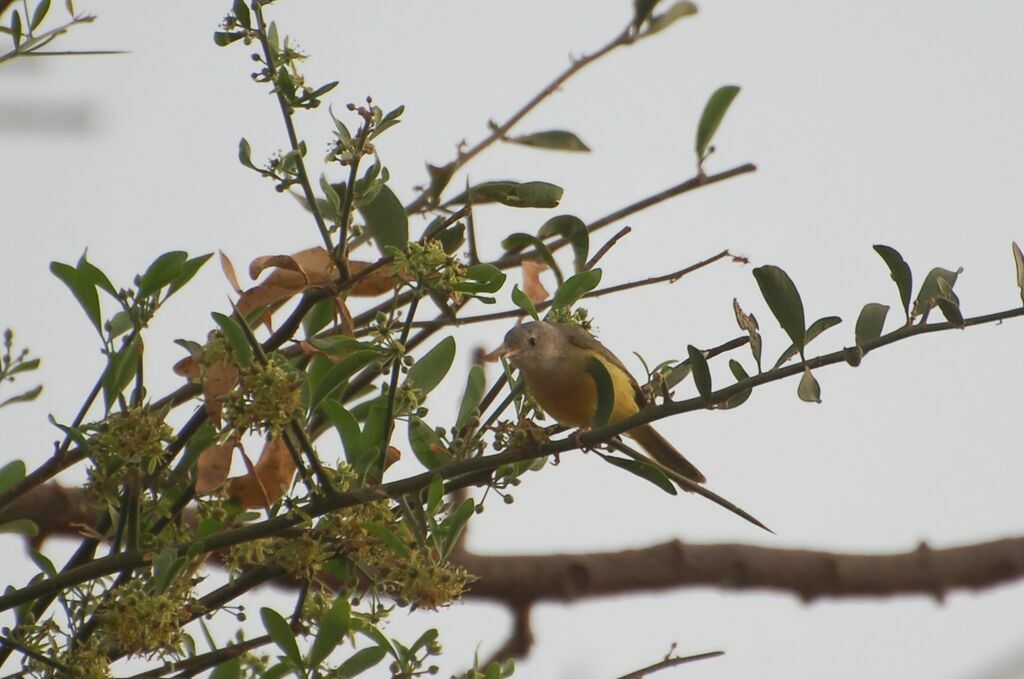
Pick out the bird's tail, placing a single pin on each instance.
(655, 445)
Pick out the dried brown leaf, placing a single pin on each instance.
(218, 381)
(532, 287)
(229, 272)
(213, 466)
(188, 367)
(267, 480)
(378, 282)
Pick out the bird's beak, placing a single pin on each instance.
(502, 351)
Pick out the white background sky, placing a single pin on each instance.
(870, 122)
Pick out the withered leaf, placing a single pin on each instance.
(213, 466)
(532, 287)
(267, 480)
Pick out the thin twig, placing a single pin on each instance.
(500, 131)
(670, 662)
(516, 313)
(624, 231)
(9, 643)
(293, 138)
(393, 386)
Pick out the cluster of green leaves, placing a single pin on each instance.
(28, 33)
(14, 363)
(168, 274)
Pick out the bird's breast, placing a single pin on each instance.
(568, 393)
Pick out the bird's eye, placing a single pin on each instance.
(533, 341)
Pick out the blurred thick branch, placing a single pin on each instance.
(522, 580)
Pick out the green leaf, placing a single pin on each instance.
(281, 633)
(870, 323)
(784, 300)
(555, 140)
(748, 323)
(426, 444)
(338, 375)
(605, 391)
(1018, 260)
(483, 278)
(520, 241)
(572, 229)
(166, 565)
(93, 274)
(384, 534)
(575, 288)
(513, 194)
(241, 12)
(188, 271)
(121, 368)
(471, 397)
(424, 640)
(82, 288)
(21, 527)
(740, 374)
(347, 426)
(361, 661)
(335, 624)
(435, 494)
(679, 10)
(229, 669)
(714, 111)
(23, 397)
(819, 326)
(808, 389)
(951, 310)
(900, 272)
(938, 284)
(428, 371)
(644, 470)
(642, 10)
(164, 270)
(386, 221)
(16, 28)
(223, 39)
(439, 178)
(38, 14)
(42, 562)
(11, 473)
(701, 373)
(245, 153)
(375, 427)
(451, 528)
(520, 299)
(452, 237)
(236, 337)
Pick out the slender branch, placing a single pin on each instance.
(611, 289)
(670, 662)
(396, 369)
(9, 643)
(520, 639)
(500, 131)
(293, 138)
(204, 661)
(624, 231)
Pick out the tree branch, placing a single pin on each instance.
(522, 580)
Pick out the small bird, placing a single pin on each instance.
(554, 360)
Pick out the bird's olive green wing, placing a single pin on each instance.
(579, 337)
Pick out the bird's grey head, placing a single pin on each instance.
(536, 345)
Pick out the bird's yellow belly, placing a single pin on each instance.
(570, 396)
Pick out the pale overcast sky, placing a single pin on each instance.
(870, 122)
